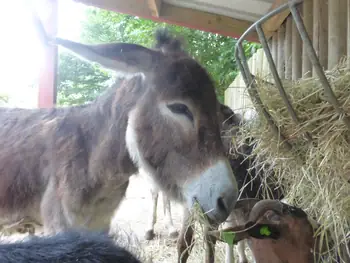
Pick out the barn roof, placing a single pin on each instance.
(226, 17)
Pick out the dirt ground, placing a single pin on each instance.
(133, 214)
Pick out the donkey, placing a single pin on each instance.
(249, 180)
(69, 167)
(229, 122)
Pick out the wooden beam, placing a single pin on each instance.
(274, 46)
(288, 48)
(320, 32)
(181, 16)
(272, 25)
(348, 36)
(336, 31)
(48, 72)
(297, 51)
(308, 21)
(280, 50)
(155, 7)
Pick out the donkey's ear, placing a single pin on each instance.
(229, 116)
(127, 58)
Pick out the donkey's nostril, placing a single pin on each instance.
(221, 205)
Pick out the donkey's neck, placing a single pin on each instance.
(107, 120)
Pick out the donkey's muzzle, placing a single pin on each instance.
(215, 191)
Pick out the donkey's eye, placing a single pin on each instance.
(179, 108)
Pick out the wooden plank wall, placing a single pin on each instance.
(328, 25)
(236, 95)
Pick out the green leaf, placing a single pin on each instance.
(228, 237)
(79, 82)
(265, 231)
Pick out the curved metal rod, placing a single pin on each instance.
(277, 78)
(265, 18)
(239, 54)
(253, 93)
(251, 84)
(316, 63)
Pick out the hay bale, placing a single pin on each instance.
(316, 175)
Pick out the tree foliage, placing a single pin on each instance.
(80, 81)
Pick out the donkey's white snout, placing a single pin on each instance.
(215, 190)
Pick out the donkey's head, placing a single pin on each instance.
(173, 130)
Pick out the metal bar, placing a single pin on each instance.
(277, 79)
(265, 18)
(316, 63)
(253, 93)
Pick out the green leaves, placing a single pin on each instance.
(228, 237)
(79, 82)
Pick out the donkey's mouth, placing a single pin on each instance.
(215, 190)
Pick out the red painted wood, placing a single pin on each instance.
(48, 72)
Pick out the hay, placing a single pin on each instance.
(316, 175)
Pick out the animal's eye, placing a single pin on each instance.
(179, 108)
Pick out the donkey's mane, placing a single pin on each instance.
(167, 41)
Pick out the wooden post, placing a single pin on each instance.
(260, 59)
(253, 64)
(288, 49)
(320, 32)
(280, 50)
(269, 78)
(296, 53)
(308, 21)
(337, 22)
(155, 7)
(348, 36)
(266, 69)
(274, 47)
(48, 72)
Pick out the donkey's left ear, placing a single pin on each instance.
(123, 57)
(228, 115)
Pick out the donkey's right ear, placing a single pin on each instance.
(123, 57)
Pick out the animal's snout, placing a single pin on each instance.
(215, 190)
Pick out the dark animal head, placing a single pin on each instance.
(230, 123)
(173, 127)
(229, 118)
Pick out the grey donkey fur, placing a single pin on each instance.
(69, 167)
(229, 122)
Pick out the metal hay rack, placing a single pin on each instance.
(250, 80)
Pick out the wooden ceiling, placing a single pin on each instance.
(225, 17)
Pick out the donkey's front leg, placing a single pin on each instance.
(149, 235)
(52, 212)
(172, 232)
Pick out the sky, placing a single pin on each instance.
(21, 52)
